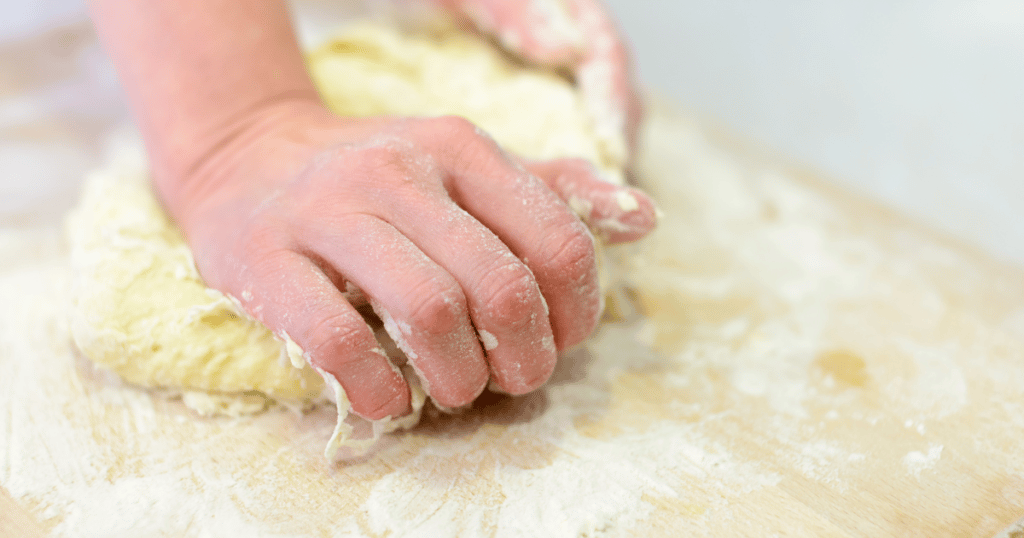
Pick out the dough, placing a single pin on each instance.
(373, 70)
(141, 308)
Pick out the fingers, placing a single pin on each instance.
(543, 32)
(290, 295)
(496, 292)
(581, 35)
(604, 75)
(528, 217)
(615, 213)
(422, 306)
(605, 82)
(504, 299)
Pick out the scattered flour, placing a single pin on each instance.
(915, 461)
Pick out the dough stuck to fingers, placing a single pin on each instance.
(141, 308)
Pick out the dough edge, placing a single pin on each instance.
(120, 236)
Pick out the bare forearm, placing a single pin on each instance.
(195, 70)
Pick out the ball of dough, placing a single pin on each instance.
(141, 308)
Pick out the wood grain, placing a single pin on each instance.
(872, 389)
(15, 522)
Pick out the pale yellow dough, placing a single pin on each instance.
(141, 308)
(373, 70)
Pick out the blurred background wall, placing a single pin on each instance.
(917, 103)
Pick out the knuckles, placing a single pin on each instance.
(512, 295)
(569, 255)
(436, 308)
(465, 146)
(405, 161)
(336, 336)
(450, 128)
(395, 163)
(390, 159)
(262, 235)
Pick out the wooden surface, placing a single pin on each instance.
(15, 521)
(807, 364)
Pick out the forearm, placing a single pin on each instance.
(195, 71)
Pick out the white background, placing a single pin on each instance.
(918, 103)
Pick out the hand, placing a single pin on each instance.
(477, 265)
(578, 34)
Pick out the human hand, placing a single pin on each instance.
(476, 265)
(579, 35)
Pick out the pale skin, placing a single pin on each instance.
(285, 204)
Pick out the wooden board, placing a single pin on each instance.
(15, 521)
(807, 364)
